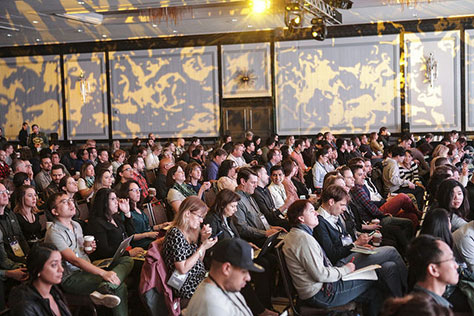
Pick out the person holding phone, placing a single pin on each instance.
(185, 246)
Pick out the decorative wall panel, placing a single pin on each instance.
(170, 92)
(30, 90)
(246, 70)
(433, 105)
(469, 80)
(347, 85)
(86, 96)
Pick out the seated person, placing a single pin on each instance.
(107, 226)
(316, 281)
(399, 205)
(144, 233)
(186, 243)
(392, 181)
(432, 267)
(15, 243)
(368, 211)
(46, 272)
(219, 294)
(178, 189)
(227, 175)
(414, 304)
(277, 189)
(337, 243)
(27, 213)
(80, 276)
(10, 272)
(249, 220)
(452, 196)
(264, 199)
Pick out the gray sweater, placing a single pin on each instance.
(305, 260)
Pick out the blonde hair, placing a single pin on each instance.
(440, 150)
(191, 204)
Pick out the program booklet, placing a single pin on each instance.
(366, 273)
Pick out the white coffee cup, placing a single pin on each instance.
(88, 242)
(376, 239)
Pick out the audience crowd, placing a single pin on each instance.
(209, 229)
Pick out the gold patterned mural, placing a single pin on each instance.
(344, 85)
(30, 90)
(170, 92)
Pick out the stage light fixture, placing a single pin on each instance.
(293, 15)
(260, 6)
(340, 4)
(319, 30)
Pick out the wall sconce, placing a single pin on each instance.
(85, 87)
(245, 78)
(431, 69)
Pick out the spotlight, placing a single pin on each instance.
(319, 30)
(340, 4)
(293, 15)
(260, 6)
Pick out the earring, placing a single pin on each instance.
(39, 274)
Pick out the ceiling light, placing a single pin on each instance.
(79, 31)
(154, 25)
(260, 6)
(38, 39)
(234, 20)
(9, 35)
(319, 30)
(174, 31)
(104, 36)
(35, 22)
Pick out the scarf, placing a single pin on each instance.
(184, 189)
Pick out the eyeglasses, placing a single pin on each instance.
(5, 192)
(447, 260)
(200, 216)
(128, 169)
(135, 190)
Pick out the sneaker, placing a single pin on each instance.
(108, 300)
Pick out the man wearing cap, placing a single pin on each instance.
(219, 294)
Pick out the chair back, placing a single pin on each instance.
(286, 278)
(150, 177)
(210, 195)
(156, 213)
(83, 209)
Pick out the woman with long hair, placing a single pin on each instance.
(186, 243)
(26, 213)
(436, 223)
(452, 196)
(86, 182)
(221, 211)
(144, 233)
(118, 158)
(108, 227)
(41, 295)
(321, 167)
(104, 179)
(227, 175)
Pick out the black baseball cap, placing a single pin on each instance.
(237, 252)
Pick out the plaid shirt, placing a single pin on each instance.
(367, 209)
(4, 170)
(142, 183)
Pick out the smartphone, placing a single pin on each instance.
(217, 234)
(371, 233)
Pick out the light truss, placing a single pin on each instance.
(321, 9)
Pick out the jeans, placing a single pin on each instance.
(393, 274)
(84, 283)
(342, 292)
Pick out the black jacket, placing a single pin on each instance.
(26, 301)
(330, 240)
(266, 205)
(217, 225)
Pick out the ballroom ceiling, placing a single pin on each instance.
(33, 22)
